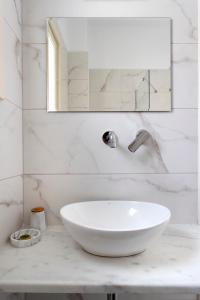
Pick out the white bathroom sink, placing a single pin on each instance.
(115, 228)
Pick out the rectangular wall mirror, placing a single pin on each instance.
(108, 64)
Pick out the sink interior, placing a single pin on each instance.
(115, 215)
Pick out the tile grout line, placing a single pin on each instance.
(106, 174)
(23, 122)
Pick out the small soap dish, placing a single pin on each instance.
(25, 237)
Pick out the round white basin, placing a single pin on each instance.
(115, 228)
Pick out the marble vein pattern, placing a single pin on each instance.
(11, 12)
(34, 73)
(55, 191)
(78, 82)
(11, 206)
(78, 65)
(184, 94)
(122, 90)
(11, 187)
(10, 139)
(192, 28)
(182, 12)
(114, 90)
(10, 65)
(169, 266)
(71, 150)
(185, 76)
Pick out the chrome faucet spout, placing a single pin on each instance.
(141, 137)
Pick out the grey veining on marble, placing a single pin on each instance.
(11, 206)
(10, 65)
(185, 70)
(58, 264)
(55, 191)
(184, 77)
(182, 12)
(192, 28)
(76, 154)
(10, 139)
(11, 12)
(34, 73)
(11, 180)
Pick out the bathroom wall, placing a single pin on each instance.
(11, 171)
(64, 157)
(11, 187)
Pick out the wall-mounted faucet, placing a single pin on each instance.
(141, 137)
(110, 139)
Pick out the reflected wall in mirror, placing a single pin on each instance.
(109, 64)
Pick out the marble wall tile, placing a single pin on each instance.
(11, 12)
(71, 143)
(171, 190)
(34, 76)
(10, 65)
(10, 140)
(185, 76)
(11, 206)
(11, 187)
(182, 12)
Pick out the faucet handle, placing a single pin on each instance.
(110, 139)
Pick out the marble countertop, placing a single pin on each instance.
(58, 265)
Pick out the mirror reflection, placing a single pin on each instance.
(109, 64)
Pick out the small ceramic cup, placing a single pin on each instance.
(37, 218)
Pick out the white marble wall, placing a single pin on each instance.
(65, 150)
(11, 170)
(11, 187)
(64, 158)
